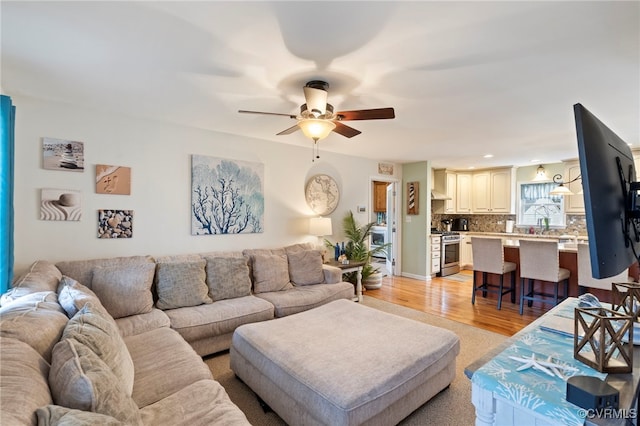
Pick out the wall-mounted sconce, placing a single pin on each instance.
(562, 189)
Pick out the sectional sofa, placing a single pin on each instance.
(119, 340)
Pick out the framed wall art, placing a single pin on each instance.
(60, 204)
(413, 189)
(113, 179)
(115, 224)
(227, 196)
(62, 154)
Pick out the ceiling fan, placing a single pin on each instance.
(317, 118)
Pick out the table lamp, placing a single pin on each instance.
(320, 227)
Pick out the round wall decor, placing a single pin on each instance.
(322, 194)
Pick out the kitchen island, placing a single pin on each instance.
(568, 256)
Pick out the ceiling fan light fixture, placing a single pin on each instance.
(316, 129)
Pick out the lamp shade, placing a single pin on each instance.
(541, 175)
(316, 129)
(561, 190)
(320, 226)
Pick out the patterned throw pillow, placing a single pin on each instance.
(124, 290)
(305, 267)
(228, 277)
(270, 273)
(181, 284)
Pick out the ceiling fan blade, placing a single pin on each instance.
(289, 130)
(266, 113)
(367, 114)
(345, 130)
(316, 100)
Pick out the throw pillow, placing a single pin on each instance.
(35, 319)
(305, 267)
(95, 329)
(72, 295)
(181, 284)
(270, 273)
(51, 415)
(80, 379)
(125, 291)
(228, 277)
(41, 276)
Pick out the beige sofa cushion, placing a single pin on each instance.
(181, 284)
(72, 295)
(35, 319)
(270, 273)
(23, 387)
(82, 270)
(164, 364)
(228, 277)
(52, 415)
(305, 267)
(80, 379)
(41, 276)
(203, 403)
(124, 291)
(95, 329)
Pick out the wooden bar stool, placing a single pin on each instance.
(488, 258)
(585, 276)
(540, 260)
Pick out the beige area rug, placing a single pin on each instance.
(450, 407)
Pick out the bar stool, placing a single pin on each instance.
(539, 260)
(585, 276)
(488, 258)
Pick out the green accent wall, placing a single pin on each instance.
(414, 232)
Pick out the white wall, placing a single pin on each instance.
(160, 157)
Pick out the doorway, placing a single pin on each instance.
(384, 208)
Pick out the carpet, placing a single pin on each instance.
(450, 407)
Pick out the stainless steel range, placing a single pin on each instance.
(450, 255)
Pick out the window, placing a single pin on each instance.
(536, 206)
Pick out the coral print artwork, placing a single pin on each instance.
(113, 179)
(62, 154)
(115, 224)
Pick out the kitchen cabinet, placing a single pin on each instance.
(463, 194)
(434, 253)
(380, 197)
(445, 183)
(466, 253)
(492, 191)
(573, 203)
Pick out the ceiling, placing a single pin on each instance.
(466, 78)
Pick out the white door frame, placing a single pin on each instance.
(396, 252)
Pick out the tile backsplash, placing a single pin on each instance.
(576, 224)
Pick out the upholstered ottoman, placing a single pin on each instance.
(344, 364)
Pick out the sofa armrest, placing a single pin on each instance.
(332, 275)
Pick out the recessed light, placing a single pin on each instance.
(471, 167)
(535, 161)
(488, 156)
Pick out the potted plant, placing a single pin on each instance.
(357, 250)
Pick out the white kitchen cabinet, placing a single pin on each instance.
(434, 253)
(492, 191)
(573, 203)
(463, 194)
(445, 183)
(466, 254)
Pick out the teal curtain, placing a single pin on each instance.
(7, 124)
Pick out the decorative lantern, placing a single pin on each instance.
(598, 339)
(628, 300)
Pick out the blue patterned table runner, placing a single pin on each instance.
(531, 388)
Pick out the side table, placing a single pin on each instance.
(351, 267)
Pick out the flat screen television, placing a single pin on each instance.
(610, 195)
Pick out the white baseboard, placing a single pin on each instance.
(416, 277)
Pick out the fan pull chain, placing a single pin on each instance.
(315, 152)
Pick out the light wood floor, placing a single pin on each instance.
(452, 299)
